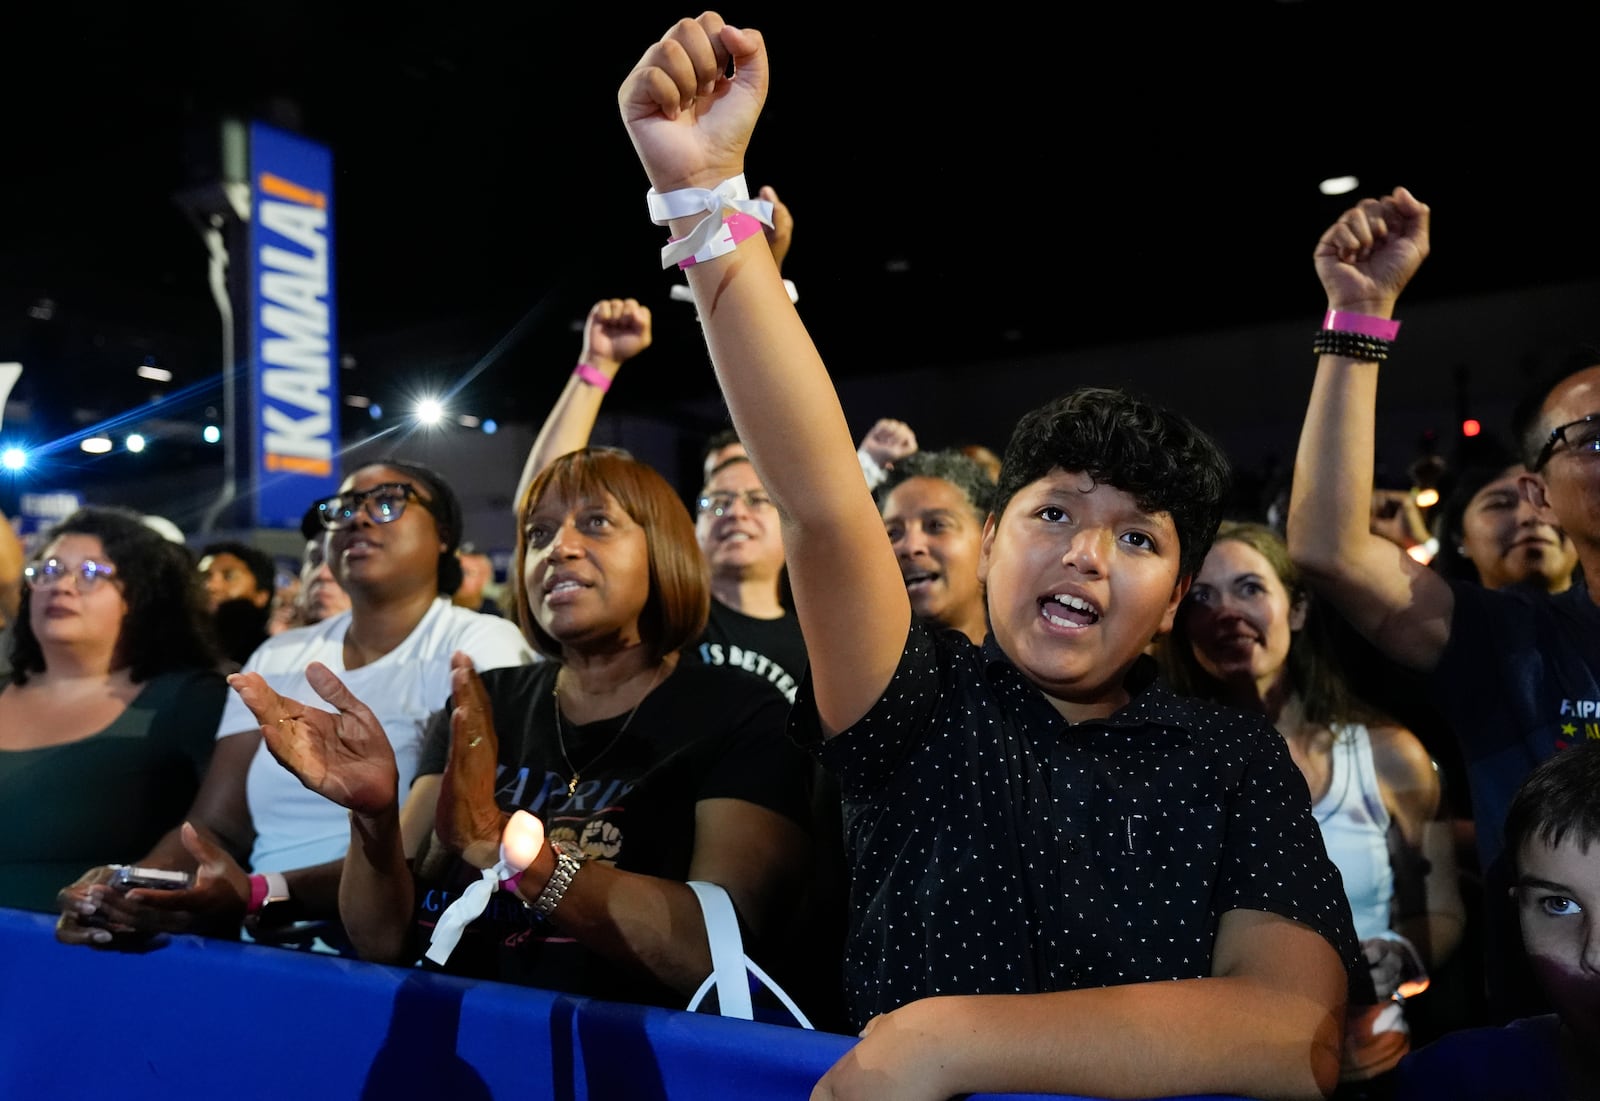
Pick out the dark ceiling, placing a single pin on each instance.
(1000, 184)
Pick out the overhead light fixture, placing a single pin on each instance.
(211, 434)
(1338, 185)
(95, 445)
(467, 420)
(134, 442)
(154, 373)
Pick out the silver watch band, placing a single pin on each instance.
(556, 888)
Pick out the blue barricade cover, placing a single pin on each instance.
(191, 1017)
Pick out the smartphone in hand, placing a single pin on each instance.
(127, 876)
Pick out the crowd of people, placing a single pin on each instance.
(1039, 777)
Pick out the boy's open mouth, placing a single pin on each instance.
(1066, 610)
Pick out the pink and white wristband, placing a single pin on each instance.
(712, 236)
(735, 228)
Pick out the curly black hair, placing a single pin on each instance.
(954, 467)
(1160, 458)
(167, 626)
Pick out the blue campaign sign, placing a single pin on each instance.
(293, 332)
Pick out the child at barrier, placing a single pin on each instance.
(1065, 878)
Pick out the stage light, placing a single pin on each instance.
(490, 426)
(1471, 427)
(96, 445)
(430, 411)
(134, 443)
(13, 458)
(211, 433)
(1427, 498)
(1338, 185)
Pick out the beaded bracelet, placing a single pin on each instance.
(1367, 349)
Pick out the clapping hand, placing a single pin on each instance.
(468, 820)
(344, 756)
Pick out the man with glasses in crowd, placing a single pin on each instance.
(1515, 672)
(740, 536)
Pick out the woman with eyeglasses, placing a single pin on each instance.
(107, 720)
(645, 770)
(261, 845)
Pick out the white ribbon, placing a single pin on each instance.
(702, 241)
(465, 910)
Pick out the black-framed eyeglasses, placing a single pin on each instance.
(721, 502)
(87, 573)
(383, 504)
(1579, 435)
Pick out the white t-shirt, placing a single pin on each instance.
(298, 829)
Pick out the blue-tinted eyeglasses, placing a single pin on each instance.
(383, 504)
(88, 573)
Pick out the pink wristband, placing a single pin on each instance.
(510, 883)
(258, 894)
(735, 228)
(1344, 322)
(593, 376)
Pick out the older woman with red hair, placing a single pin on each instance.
(644, 770)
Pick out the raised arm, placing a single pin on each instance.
(617, 329)
(1364, 261)
(690, 125)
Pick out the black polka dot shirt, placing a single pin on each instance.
(997, 848)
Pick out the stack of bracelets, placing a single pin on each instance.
(1355, 336)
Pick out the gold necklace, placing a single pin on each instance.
(555, 696)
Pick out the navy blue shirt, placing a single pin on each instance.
(1519, 680)
(997, 848)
